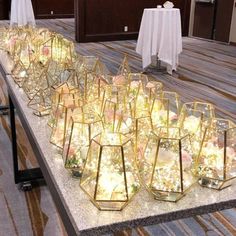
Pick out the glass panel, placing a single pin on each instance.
(231, 153)
(166, 176)
(111, 183)
(90, 172)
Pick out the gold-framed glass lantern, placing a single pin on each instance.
(81, 129)
(165, 166)
(196, 115)
(35, 82)
(109, 177)
(165, 109)
(41, 103)
(55, 47)
(194, 118)
(66, 95)
(216, 163)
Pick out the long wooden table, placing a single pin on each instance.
(79, 215)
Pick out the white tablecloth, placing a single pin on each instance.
(22, 13)
(160, 35)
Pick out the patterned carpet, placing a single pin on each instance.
(207, 72)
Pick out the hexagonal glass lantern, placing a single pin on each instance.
(165, 109)
(194, 118)
(81, 129)
(57, 48)
(109, 177)
(66, 95)
(195, 115)
(165, 167)
(32, 84)
(216, 164)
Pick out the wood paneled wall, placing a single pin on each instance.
(100, 20)
(4, 9)
(43, 8)
(53, 8)
(213, 20)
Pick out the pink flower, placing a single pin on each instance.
(150, 85)
(12, 41)
(140, 151)
(71, 151)
(109, 114)
(134, 84)
(174, 117)
(70, 106)
(45, 51)
(231, 152)
(186, 158)
(119, 114)
(119, 80)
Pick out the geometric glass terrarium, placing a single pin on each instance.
(41, 103)
(165, 109)
(35, 82)
(165, 167)
(81, 129)
(66, 95)
(194, 118)
(56, 48)
(216, 163)
(196, 115)
(109, 177)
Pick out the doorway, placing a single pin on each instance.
(212, 19)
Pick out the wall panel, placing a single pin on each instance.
(98, 20)
(53, 8)
(4, 9)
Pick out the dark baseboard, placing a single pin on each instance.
(107, 37)
(54, 16)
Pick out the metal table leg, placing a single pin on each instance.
(29, 177)
(4, 110)
(158, 68)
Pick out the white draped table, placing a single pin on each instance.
(160, 35)
(22, 13)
